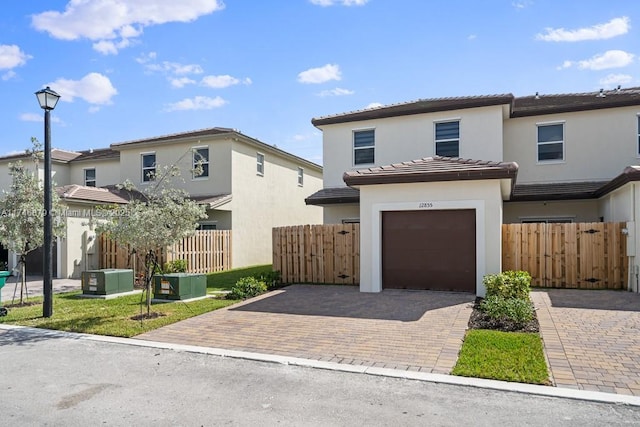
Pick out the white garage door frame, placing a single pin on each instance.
(376, 234)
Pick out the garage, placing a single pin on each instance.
(429, 249)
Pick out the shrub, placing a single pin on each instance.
(508, 284)
(271, 278)
(518, 310)
(247, 287)
(175, 266)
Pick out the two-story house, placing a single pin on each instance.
(247, 186)
(431, 181)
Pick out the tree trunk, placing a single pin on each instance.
(23, 278)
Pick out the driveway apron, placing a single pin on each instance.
(413, 330)
(591, 338)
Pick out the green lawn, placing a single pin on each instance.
(106, 317)
(507, 356)
(224, 280)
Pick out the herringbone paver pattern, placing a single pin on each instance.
(413, 330)
(591, 338)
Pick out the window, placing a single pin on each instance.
(260, 163)
(201, 159)
(547, 220)
(448, 139)
(350, 220)
(90, 177)
(363, 147)
(300, 177)
(551, 142)
(148, 167)
(207, 226)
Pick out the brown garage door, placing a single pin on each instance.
(433, 249)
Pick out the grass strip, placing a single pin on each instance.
(507, 356)
(224, 280)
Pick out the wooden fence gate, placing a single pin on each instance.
(575, 255)
(318, 253)
(206, 251)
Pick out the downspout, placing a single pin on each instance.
(635, 236)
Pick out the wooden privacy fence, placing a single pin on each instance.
(576, 255)
(318, 253)
(205, 252)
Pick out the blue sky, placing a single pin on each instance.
(131, 69)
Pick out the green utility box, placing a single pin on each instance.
(107, 281)
(3, 278)
(179, 286)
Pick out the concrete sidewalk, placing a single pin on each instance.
(34, 287)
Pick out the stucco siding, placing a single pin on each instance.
(588, 138)
(574, 210)
(107, 172)
(335, 214)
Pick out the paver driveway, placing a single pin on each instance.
(416, 330)
(591, 338)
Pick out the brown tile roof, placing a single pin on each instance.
(335, 195)
(97, 154)
(416, 107)
(562, 103)
(213, 201)
(81, 193)
(556, 191)
(432, 169)
(181, 135)
(630, 174)
(56, 155)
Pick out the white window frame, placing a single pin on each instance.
(350, 220)
(354, 149)
(552, 161)
(435, 140)
(205, 223)
(260, 164)
(155, 166)
(84, 173)
(638, 138)
(194, 161)
(547, 219)
(300, 177)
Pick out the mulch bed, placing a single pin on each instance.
(479, 320)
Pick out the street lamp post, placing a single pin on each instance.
(48, 100)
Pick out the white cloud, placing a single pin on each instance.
(12, 56)
(320, 74)
(176, 68)
(521, 4)
(609, 59)
(121, 20)
(615, 79)
(33, 117)
(472, 37)
(373, 105)
(196, 103)
(219, 82)
(336, 92)
(146, 58)
(613, 28)
(93, 88)
(325, 3)
(8, 75)
(181, 82)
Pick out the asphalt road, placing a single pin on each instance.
(53, 380)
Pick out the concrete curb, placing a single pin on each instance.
(532, 389)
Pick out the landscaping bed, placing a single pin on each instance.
(480, 320)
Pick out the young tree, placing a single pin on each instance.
(21, 216)
(158, 216)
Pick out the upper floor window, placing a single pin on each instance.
(448, 139)
(201, 162)
(90, 177)
(148, 167)
(260, 164)
(300, 177)
(551, 142)
(364, 147)
(638, 135)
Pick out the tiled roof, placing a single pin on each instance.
(97, 154)
(416, 107)
(335, 195)
(213, 201)
(432, 169)
(76, 192)
(630, 173)
(56, 155)
(181, 135)
(556, 191)
(562, 103)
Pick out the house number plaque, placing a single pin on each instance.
(425, 205)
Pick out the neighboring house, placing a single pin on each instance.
(248, 187)
(432, 181)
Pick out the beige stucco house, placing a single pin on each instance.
(248, 187)
(432, 181)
